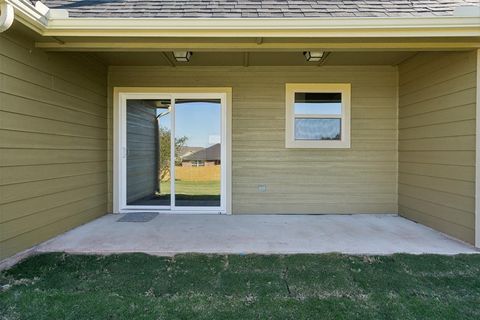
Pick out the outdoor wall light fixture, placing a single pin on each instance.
(313, 56)
(182, 56)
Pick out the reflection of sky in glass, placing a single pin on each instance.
(318, 108)
(317, 129)
(199, 121)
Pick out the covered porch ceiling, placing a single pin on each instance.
(252, 59)
(261, 48)
(243, 51)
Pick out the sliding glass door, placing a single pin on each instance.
(173, 152)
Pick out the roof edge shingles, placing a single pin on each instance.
(256, 8)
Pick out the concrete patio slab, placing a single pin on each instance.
(262, 234)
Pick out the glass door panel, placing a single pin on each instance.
(198, 149)
(148, 152)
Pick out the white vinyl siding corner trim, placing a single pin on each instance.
(290, 116)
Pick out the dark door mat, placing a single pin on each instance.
(138, 217)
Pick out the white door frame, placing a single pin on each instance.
(121, 94)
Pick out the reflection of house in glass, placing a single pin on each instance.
(199, 157)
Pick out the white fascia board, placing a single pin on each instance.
(270, 27)
(267, 23)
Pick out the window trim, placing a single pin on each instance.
(291, 89)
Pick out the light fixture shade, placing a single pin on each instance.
(313, 56)
(182, 56)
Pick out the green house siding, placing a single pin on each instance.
(437, 105)
(53, 141)
(362, 179)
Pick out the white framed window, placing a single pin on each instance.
(317, 115)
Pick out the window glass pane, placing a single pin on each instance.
(317, 129)
(318, 103)
(198, 146)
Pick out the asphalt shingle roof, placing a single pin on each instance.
(256, 8)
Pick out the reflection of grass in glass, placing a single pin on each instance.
(192, 187)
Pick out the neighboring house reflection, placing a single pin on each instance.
(199, 157)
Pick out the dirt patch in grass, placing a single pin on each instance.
(137, 286)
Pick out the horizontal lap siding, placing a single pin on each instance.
(362, 179)
(437, 141)
(53, 143)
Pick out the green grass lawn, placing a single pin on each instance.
(193, 188)
(137, 286)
